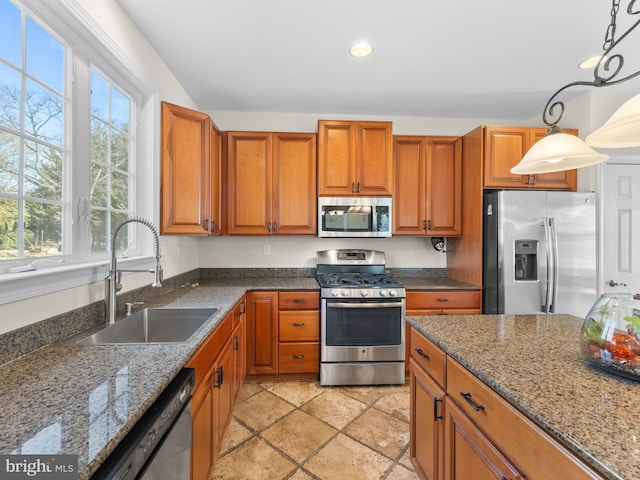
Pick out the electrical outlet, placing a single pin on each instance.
(267, 249)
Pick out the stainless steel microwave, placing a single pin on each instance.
(354, 217)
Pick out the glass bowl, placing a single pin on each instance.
(610, 335)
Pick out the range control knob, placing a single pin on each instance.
(383, 293)
(364, 293)
(334, 292)
(344, 293)
(392, 293)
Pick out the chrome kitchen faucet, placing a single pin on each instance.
(114, 275)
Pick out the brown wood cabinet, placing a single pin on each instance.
(355, 158)
(444, 302)
(190, 173)
(219, 375)
(427, 185)
(262, 332)
(505, 147)
(271, 183)
(299, 332)
(483, 433)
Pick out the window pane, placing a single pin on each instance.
(9, 162)
(45, 56)
(8, 228)
(119, 191)
(119, 109)
(99, 185)
(42, 229)
(42, 171)
(43, 114)
(99, 141)
(123, 234)
(10, 32)
(9, 96)
(99, 95)
(99, 233)
(119, 149)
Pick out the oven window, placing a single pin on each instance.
(355, 218)
(356, 327)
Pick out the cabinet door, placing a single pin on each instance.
(294, 184)
(374, 159)
(504, 148)
(444, 186)
(469, 454)
(427, 425)
(262, 332)
(215, 223)
(222, 395)
(185, 171)
(566, 180)
(410, 173)
(249, 183)
(202, 433)
(336, 157)
(239, 345)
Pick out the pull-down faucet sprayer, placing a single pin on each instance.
(112, 281)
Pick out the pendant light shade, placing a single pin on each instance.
(621, 130)
(557, 152)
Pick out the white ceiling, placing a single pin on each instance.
(464, 58)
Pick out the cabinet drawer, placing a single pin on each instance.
(299, 357)
(428, 356)
(509, 430)
(443, 299)
(299, 300)
(299, 326)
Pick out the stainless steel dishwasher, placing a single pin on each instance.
(159, 446)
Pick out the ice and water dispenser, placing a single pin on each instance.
(525, 260)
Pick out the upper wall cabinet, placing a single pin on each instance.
(428, 186)
(271, 183)
(505, 147)
(190, 173)
(355, 158)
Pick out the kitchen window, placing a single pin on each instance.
(70, 106)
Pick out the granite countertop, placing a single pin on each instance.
(435, 283)
(82, 400)
(535, 363)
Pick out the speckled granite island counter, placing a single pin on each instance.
(535, 363)
(82, 400)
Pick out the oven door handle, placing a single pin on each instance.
(364, 305)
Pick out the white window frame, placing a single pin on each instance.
(90, 46)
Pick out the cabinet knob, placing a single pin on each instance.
(298, 357)
(301, 324)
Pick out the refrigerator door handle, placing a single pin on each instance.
(546, 306)
(556, 270)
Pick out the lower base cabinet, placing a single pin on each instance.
(461, 429)
(219, 368)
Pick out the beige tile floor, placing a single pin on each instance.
(301, 431)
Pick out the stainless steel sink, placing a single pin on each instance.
(153, 325)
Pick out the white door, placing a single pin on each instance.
(621, 228)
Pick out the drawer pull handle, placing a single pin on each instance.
(436, 417)
(420, 352)
(298, 300)
(474, 405)
(298, 324)
(442, 300)
(298, 356)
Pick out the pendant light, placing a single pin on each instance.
(558, 151)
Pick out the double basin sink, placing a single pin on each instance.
(151, 325)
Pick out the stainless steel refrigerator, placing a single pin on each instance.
(539, 252)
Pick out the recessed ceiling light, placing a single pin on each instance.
(590, 62)
(361, 49)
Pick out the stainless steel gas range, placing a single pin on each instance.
(362, 326)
